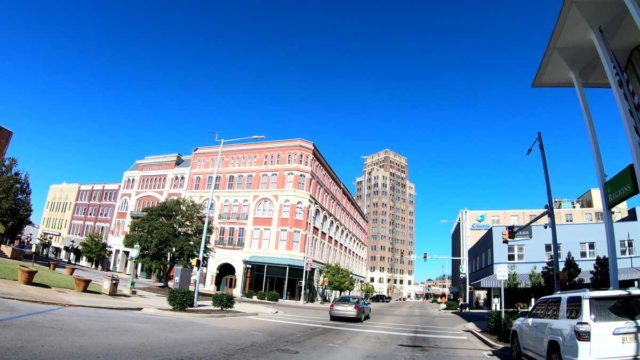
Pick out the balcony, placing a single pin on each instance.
(244, 216)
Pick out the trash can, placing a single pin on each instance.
(110, 284)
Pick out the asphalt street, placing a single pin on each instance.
(409, 330)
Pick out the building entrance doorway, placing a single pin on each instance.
(226, 278)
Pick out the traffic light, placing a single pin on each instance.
(505, 237)
(426, 256)
(512, 232)
(195, 263)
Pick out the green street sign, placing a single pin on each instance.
(622, 186)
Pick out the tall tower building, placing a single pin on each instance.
(388, 199)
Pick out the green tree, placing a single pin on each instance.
(94, 249)
(368, 290)
(572, 271)
(512, 280)
(339, 278)
(15, 198)
(535, 278)
(168, 234)
(600, 273)
(547, 274)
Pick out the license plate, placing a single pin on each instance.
(629, 339)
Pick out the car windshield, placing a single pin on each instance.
(346, 300)
(615, 308)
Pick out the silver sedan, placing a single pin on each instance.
(354, 307)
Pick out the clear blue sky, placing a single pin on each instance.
(89, 87)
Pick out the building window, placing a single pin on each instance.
(256, 239)
(626, 248)
(240, 182)
(264, 208)
(568, 217)
(216, 185)
(196, 183)
(301, 182)
(286, 209)
(264, 181)
(124, 205)
(296, 241)
(495, 220)
(514, 220)
(209, 182)
(599, 216)
(283, 240)
(234, 208)
(274, 181)
(249, 182)
(515, 253)
(230, 181)
(299, 210)
(230, 236)
(588, 217)
(240, 237)
(289, 181)
(225, 207)
(220, 236)
(266, 238)
(587, 250)
(245, 210)
(548, 251)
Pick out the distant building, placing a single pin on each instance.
(5, 139)
(56, 217)
(471, 225)
(388, 197)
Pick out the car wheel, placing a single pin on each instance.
(554, 354)
(332, 318)
(362, 317)
(516, 351)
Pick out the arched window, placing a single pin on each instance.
(286, 209)
(209, 182)
(289, 158)
(124, 205)
(301, 182)
(264, 179)
(264, 208)
(225, 207)
(230, 182)
(245, 209)
(289, 181)
(249, 185)
(234, 208)
(240, 183)
(216, 184)
(316, 218)
(274, 181)
(196, 183)
(295, 158)
(181, 182)
(330, 227)
(211, 208)
(299, 210)
(324, 223)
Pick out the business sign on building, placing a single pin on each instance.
(5, 139)
(621, 187)
(502, 272)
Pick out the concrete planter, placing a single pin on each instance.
(11, 252)
(81, 284)
(53, 265)
(26, 275)
(69, 270)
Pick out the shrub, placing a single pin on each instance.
(452, 305)
(434, 300)
(222, 301)
(273, 296)
(249, 294)
(495, 320)
(261, 295)
(180, 299)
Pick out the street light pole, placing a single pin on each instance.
(552, 216)
(208, 212)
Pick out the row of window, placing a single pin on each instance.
(77, 229)
(107, 195)
(252, 159)
(568, 218)
(52, 223)
(240, 182)
(58, 206)
(103, 212)
(516, 253)
(395, 281)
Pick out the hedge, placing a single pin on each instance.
(261, 295)
(249, 294)
(222, 301)
(180, 299)
(273, 296)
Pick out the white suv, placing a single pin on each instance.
(580, 325)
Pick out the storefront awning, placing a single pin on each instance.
(272, 260)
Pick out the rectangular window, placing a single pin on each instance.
(220, 236)
(264, 181)
(568, 217)
(588, 217)
(274, 181)
(230, 236)
(230, 181)
(548, 251)
(266, 238)
(216, 185)
(256, 239)
(301, 182)
(249, 182)
(588, 250)
(626, 248)
(599, 216)
(241, 237)
(495, 220)
(296, 241)
(574, 307)
(289, 181)
(532, 216)
(514, 220)
(515, 253)
(283, 240)
(196, 183)
(209, 182)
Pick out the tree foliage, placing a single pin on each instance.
(15, 198)
(535, 278)
(168, 235)
(512, 280)
(547, 273)
(339, 278)
(600, 273)
(368, 290)
(572, 269)
(94, 249)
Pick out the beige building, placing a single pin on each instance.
(57, 214)
(389, 202)
(471, 225)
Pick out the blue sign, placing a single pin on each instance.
(480, 226)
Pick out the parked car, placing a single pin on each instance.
(380, 298)
(354, 307)
(580, 325)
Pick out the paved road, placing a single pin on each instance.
(395, 331)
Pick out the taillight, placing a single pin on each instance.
(356, 307)
(583, 331)
(332, 306)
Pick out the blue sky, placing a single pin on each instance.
(89, 87)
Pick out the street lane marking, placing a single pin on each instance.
(362, 330)
(368, 324)
(372, 322)
(14, 317)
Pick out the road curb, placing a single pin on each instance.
(485, 340)
(188, 315)
(72, 305)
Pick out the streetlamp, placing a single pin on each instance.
(132, 257)
(206, 218)
(551, 212)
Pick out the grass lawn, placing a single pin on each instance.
(44, 278)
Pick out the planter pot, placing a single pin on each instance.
(69, 270)
(81, 284)
(26, 274)
(53, 265)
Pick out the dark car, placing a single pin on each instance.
(380, 298)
